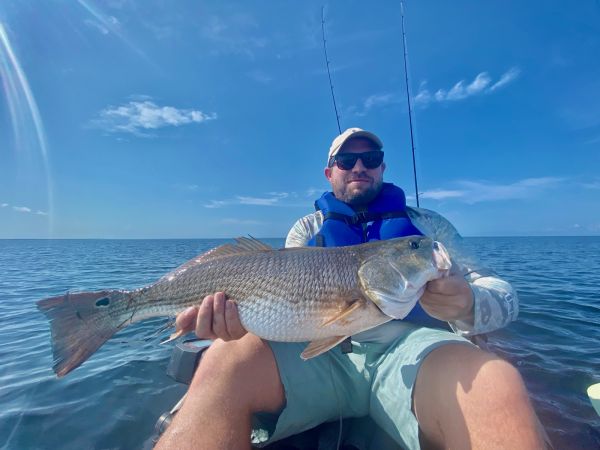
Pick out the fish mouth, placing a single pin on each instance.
(441, 258)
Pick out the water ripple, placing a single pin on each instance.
(113, 400)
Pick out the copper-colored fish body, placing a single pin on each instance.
(311, 294)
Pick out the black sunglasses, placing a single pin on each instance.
(346, 161)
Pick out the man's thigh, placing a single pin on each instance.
(465, 396)
(395, 378)
(318, 390)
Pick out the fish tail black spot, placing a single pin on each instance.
(104, 301)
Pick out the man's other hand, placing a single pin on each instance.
(216, 318)
(449, 299)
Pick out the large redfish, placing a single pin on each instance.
(312, 294)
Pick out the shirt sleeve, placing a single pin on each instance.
(304, 230)
(496, 303)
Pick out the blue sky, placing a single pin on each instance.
(124, 119)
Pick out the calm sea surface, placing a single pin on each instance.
(114, 399)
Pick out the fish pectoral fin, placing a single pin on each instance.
(344, 314)
(315, 348)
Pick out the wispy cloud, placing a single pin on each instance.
(373, 102)
(272, 199)
(484, 191)
(442, 194)
(481, 84)
(217, 203)
(138, 116)
(506, 78)
(24, 209)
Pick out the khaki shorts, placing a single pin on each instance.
(374, 380)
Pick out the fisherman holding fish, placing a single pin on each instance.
(419, 379)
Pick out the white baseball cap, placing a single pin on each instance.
(339, 141)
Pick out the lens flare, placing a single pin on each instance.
(111, 25)
(24, 111)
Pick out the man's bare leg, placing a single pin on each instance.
(467, 398)
(234, 380)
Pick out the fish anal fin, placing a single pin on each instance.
(343, 317)
(315, 348)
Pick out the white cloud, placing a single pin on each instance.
(441, 194)
(313, 192)
(138, 116)
(374, 101)
(460, 91)
(269, 199)
(216, 203)
(274, 199)
(3, 205)
(506, 78)
(484, 191)
(25, 210)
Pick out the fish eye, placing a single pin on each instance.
(435, 245)
(414, 245)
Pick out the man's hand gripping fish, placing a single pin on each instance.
(321, 295)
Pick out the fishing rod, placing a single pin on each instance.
(412, 139)
(410, 121)
(337, 116)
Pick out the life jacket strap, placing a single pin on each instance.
(364, 217)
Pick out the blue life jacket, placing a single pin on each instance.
(385, 218)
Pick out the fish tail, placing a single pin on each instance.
(80, 323)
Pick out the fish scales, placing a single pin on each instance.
(274, 290)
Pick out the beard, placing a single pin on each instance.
(359, 198)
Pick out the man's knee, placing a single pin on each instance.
(243, 368)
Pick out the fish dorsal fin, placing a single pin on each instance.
(252, 244)
(315, 348)
(344, 316)
(243, 245)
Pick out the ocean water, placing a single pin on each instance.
(113, 400)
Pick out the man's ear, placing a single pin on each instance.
(328, 172)
(382, 167)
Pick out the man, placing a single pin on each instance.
(422, 385)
